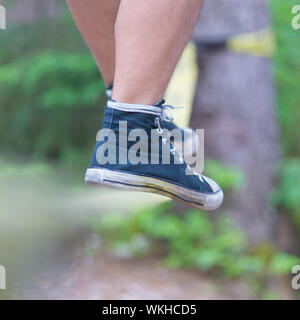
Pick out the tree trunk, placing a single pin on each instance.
(234, 104)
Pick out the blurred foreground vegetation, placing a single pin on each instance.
(187, 239)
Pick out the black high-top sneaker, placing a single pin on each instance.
(132, 152)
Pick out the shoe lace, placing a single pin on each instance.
(168, 112)
(168, 115)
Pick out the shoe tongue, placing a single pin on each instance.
(160, 103)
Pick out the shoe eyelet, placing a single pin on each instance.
(159, 128)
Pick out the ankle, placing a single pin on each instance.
(133, 98)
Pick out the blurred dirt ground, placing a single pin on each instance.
(94, 273)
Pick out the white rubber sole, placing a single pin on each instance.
(133, 182)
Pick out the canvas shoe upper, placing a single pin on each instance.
(155, 166)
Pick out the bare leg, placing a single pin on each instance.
(150, 38)
(96, 22)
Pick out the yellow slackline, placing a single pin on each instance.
(182, 86)
(259, 43)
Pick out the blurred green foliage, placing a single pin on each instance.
(191, 240)
(287, 194)
(51, 95)
(227, 177)
(287, 73)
